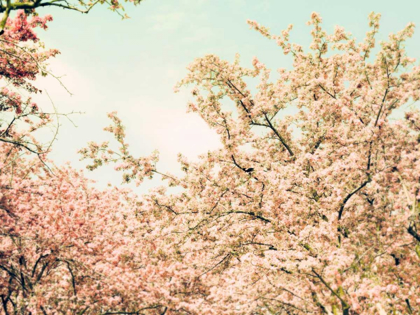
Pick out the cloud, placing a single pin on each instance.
(168, 128)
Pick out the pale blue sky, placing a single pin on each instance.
(131, 66)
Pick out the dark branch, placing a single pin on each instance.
(340, 212)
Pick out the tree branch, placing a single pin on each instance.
(340, 212)
(283, 142)
(413, 232)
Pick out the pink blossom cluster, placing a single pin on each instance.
(23, 58)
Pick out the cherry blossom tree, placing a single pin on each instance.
(312, 204)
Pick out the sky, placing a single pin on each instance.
(131, 66)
